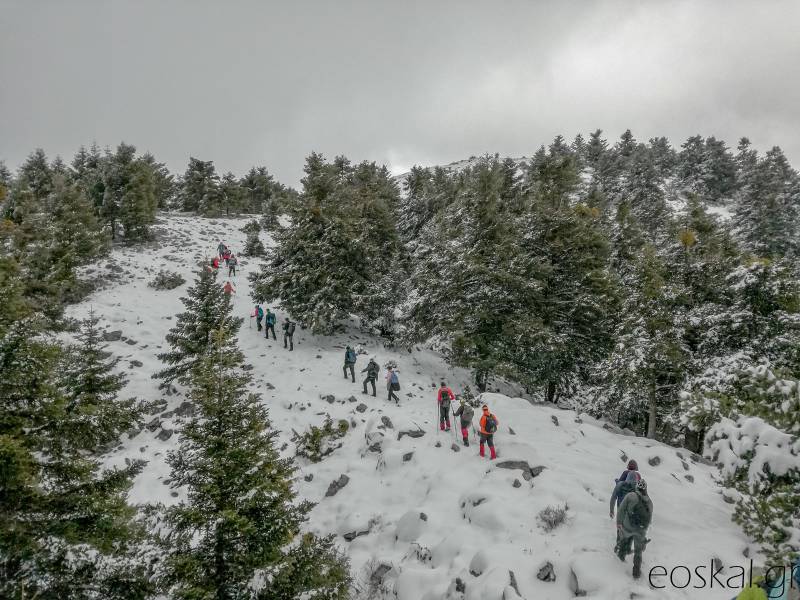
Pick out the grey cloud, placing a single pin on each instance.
(245, 83)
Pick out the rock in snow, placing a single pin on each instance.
(546, 572)
(337, 485)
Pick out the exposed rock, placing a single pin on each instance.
(513, 582)
(186, 409)
(269, 386)
(689, 478)
(701, 459)
(623, 457)
(455, 447)
(528, 472)
(546, 572)
(408, 456)
(461, 587)
(330, 398)
(685, 465)
(423, 516)
(353, 399)
(168, 414)
(134, 431)
(413, 433)
(350, 536)
(112, 336)
(378, 574)
(361, 407)
(165, 434)
(131, 342)
(654, 461)
(478, 564)
(387, 422)
(337, 485)
(438, 444)
(554, 419)
(154, 424)
(517, 483)
(308, 477)
(511, 431)
(158, 406)
(174, 494)
(247, 367)
(136, 364)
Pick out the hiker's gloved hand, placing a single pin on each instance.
(611, 514)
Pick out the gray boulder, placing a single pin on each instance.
(337, 485)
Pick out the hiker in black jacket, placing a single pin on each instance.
(372, 375)
(288, 334)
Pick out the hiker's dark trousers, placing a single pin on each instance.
(290, 339)
(267, 328)
(352, 371)
(372, 381)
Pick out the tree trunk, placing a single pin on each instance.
(480, 381)
(651, 421)
(550, 391)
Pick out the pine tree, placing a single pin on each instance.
(234, 536)
(117, 172)
(36, 175)
(207, 307)
(139, 202)
(230, 195)
(91, 386)
(259, 194)
(199, 190)
(66, 530)
(163, 181)
(253, 246)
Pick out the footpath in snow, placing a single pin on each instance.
(418, 514)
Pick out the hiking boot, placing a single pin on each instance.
(637, 572)
(466, 442)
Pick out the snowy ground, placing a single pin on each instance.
(430, 513)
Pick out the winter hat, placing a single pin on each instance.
(441, 384)
(632, 466)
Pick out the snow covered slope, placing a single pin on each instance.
(420, 515)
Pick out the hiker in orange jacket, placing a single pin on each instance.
(489, 425)
(228, 289)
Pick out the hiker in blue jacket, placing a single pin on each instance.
(392, 384)
(259, 316)
(269, 324)
(349, 363)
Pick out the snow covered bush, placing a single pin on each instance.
(252, 227)
(167, 280)
(253, 246)
(552, 516)
(318, 442)
(762, 463)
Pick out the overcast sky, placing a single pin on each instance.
(244, 83)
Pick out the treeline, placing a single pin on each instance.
(653, 285)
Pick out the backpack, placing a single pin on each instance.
(625, 489)
(394, 381)
(372, 369)
(290, 329)
(490, 425)
(444, 398)
(350, 356)
(259, 313)
(271, 318)
(640, 514)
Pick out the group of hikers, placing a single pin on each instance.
(224, 253)
(444, 398)
(269, 318)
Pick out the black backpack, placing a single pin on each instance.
(444, 399)
(491, 424)
(640, 514)
(290, 328)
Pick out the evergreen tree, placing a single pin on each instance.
(238, 534)
(230, 195)
(36, 175)
(87, 170)
(207, 307)
(139, 202)
(200, 187)
(117, 172)
(66, 531)
(259, 191)
(90, 385)
(253, 246)
(163, 181)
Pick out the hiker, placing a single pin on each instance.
(221, 249)
(372, 375)
(633, 518)
(349, 362)
(259, 316)
(444, 396)
(227, 255)
(626, 483)
(228, 289)
(288, 334)
(269, 324)
(392, 384)
(215, 262)
(232, 262)
(466, 413)
(488, 425)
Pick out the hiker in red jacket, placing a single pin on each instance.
(227, 255)
(444, 397)
(228, 289)
(215, 262)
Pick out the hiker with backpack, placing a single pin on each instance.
(226, 255)
(228, 288)
(349, 363)
(372, 375)
(465, 412)
(443, 397)
(259, 316)
(221, 249)
(633, 518)
(215, 262)
(488, 428)
(392, 384)
(232, 262)
(626, 483)
(288, 334)
(269, 324)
